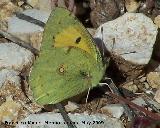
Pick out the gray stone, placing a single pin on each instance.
(26, 31)
(12, 56)
(16, 25)
(9, 76)
(116, 110)
(71, 106)
(153, 78)
(130, 36)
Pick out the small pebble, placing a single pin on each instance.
(116, 110)
(71, 106)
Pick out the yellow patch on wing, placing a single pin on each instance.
(74, 36)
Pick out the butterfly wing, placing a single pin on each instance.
(69, 62)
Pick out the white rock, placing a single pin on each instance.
(9, 110)
(115, 109)
(71, 106)
(157, 21)
(81, 121)
(132, 5)
(44, 5)
(157, 96)
(27, 31)
(132, 33)
(10, 76)
(12, 56)
(153, 78)
(16, 25)
(33, 2)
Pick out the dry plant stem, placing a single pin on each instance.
(65, 116)
(19, 42)
(30, 19)
(135, 106)
(146, 99)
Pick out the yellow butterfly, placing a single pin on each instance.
(69, 61)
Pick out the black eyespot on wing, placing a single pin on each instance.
(78, 40)
(53, 40)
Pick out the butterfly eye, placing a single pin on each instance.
(78, 40)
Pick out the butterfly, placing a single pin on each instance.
(69, 61)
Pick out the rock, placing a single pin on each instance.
(12, 56)
(9, 76)
(116, 110)
(131, 87)
(19, 96)
(27, 31)
(143, 79)
(3, 25)
(43, 5)
(146, 85)
(36, 39)
(157, 96)
(9, 110)
(7, 9)
(16, 25)
(157, 4)
(103, 11)
(91, 31)
(81, 121)
(70, 107)
(153, 78)
(139, 101)
(130, 36)
(132, 5)
(157, 21)
(33, 3)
